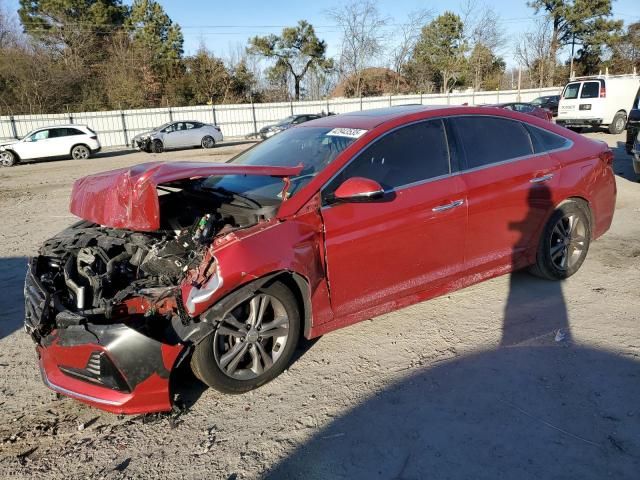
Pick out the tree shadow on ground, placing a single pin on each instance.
(12, 272)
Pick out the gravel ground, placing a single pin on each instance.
(476, 384)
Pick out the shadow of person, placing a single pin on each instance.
(535, 306)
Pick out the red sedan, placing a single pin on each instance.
(324, 225)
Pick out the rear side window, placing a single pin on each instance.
(590, 90)
(545, 141)
(410, 154)
(488, 140)
(571, 91)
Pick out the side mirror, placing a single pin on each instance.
(358, 189)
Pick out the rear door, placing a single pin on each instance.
(509, 190)
(412, 239)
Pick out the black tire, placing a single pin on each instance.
(157, 146)
(207, 142)
(618, 123)
(204, 361)
(576, 129)
(80, 152)
(8, 158)
(552, 246)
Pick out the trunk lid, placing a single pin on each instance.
(127, 198)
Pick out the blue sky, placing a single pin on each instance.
(223, 25)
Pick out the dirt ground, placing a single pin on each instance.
(476, 384)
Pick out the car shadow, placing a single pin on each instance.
(622, 163)
(537, 406)
(12, 273)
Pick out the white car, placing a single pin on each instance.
(598, 101)
(77, 141)
(184, 133)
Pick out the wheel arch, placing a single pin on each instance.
(584, 204)
(14, 153)
(80, 144)
(295, 282)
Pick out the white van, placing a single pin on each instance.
(601, 100)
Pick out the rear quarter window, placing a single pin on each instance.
(545, 141)
(590, 90)
(488, 140)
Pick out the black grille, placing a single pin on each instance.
(37, 304)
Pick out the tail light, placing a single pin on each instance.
(93, 137)
(606, 157)
(603, 91)
(216, 127)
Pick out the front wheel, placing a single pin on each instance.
(564, 243)
(157, 146)
(80, 152)
(7, 159)
(252, 344)
(208, 142)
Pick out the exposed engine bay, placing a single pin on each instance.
(90, 269)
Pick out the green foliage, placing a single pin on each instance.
(297, 50)
(440, 51)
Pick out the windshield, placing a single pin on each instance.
(313, 148)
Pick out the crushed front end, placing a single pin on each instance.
(104, 298)
(99, 304)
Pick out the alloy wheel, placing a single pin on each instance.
(252, 337)
(208, 142)
(568, 241)
(6, 159)
(80, 153)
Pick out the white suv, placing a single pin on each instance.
(76, 141)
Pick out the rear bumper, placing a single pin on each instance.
(579, 122)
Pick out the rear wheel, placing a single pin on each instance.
(618, 124)
(80, 152)
(157, 146)
(208, 142)
(252, 344)
(7, 159)
(564, 243)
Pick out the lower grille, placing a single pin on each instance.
(37, 304)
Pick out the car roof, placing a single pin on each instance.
(63, 125)
(368, 119)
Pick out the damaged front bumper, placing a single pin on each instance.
(116, 367)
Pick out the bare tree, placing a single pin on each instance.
(9, 31)
(534, 51)
(362, 28)
(407, 35)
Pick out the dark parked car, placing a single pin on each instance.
(229, 265)
(526, 108)
(633, 128)
(549, 102)
(271, 130)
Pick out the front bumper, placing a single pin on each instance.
(113, 367)
(579, 122)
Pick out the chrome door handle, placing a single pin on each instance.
(541, 179)
(448, 206)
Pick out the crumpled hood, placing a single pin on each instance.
(6, 144)
(127, 198)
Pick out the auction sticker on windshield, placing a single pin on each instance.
(346, 132)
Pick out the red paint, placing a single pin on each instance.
(151, 395)
(358, 186)
(364, 259)
(127, 197)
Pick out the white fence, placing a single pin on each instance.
(117, 127)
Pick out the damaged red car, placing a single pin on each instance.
(227, 266)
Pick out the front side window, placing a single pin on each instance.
(41, 135)
(571, 91)
(409, 154)
(590, 90)
(488, 140)
(170, 128)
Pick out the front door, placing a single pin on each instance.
(410, 240)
